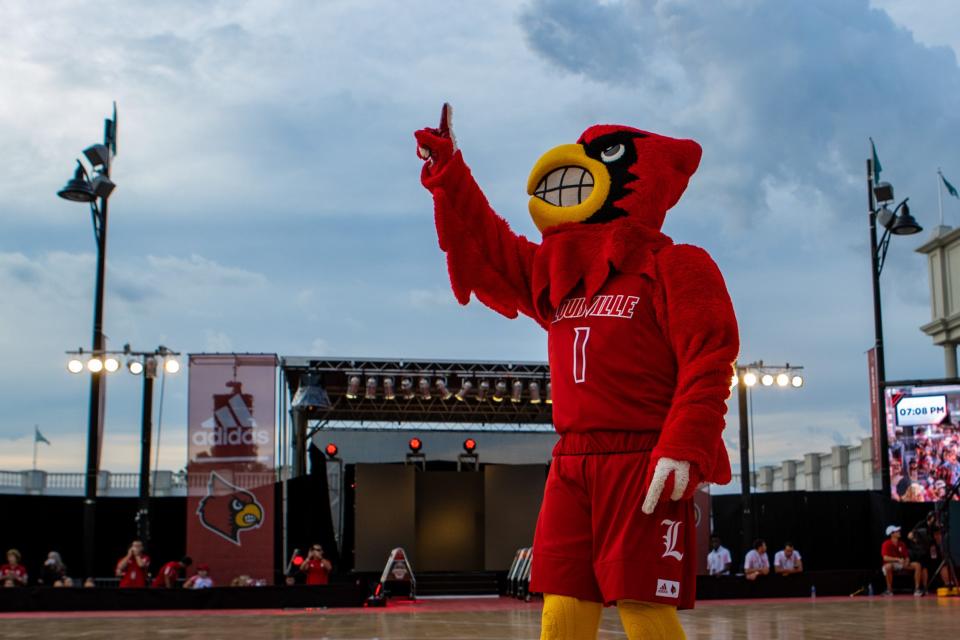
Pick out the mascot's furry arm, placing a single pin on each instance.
(701, 325)
(484, 256)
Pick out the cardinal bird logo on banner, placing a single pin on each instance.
(228, 510)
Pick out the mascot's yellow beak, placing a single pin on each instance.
(249, 516)
(566, 185)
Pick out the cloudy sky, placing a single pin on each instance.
(269, 200)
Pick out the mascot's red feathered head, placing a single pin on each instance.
(613, 171)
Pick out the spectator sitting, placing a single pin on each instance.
(242, 580)
(89, 583)
(66, 582)
(53, 570)
(316, 566)
(718, 560)
(169, 573)
(756, 563)
(13, 573)
(896, 557)
(201, 580)
(132, 568)
(787, 561)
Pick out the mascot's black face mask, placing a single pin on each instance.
(612, 172)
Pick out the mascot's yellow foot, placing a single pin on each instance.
(649, 621)
(566, 618)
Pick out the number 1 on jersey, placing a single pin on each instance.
(582, 334)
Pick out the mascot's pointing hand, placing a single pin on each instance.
(437, 146)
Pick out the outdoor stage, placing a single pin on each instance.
(492, 619)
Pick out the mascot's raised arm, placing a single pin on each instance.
(642, 339)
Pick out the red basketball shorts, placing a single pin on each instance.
(594, 543)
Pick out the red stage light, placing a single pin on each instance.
(469, 445)
(415, 445)
(332, 450)
(297, 561)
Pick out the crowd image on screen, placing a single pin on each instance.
(924, 463)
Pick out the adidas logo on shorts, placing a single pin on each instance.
(668, 588)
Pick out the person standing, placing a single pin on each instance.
(169, 573)
(718, 560)
(316, 567)
(756, 563)
(132, 568)
(787, 560)
(53, 570)
(13, 573)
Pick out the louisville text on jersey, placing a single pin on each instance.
(603, 306)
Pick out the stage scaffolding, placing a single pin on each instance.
(516, 406)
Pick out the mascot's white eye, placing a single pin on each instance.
(612, 153)
(236, 504)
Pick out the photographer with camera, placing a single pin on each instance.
(316, 567)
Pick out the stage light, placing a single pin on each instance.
(75, 365)
(516, 391)
(171, 365)
(353, 388)
(415, 445)
(389, 389)
(424, 385)
(549, 399)
(766, 380)
(445, 393)
(534, 390)
(465, 388)
(371, 392)
(499, 390)
(470, 445)
(749, 378)
(482, 390)
(331, 450)
(796, 381)
(310, 394)
(134, 366)
(297, 561)
(406, 387)
(782, 379)
(95, 365)
(111, 364)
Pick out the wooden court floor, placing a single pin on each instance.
(841, 618)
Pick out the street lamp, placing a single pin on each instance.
(747, 377)
(898, 222)
(146, 363)
(95, 192)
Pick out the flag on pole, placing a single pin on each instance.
(952, 190)
(38, 437)
(877, 168)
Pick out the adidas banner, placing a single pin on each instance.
(230, 465)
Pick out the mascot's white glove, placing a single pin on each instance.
(681, 477)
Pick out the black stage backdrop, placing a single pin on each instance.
(833, 530)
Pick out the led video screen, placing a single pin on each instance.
(924, 438)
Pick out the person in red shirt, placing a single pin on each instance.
(316, 566)
(167, 577)
(13, 574)
(132, 568)
(896, 557)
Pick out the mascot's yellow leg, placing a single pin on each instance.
(649, 621)
(566, 618)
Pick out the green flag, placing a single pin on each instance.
(877, 168)
(38, 437)
(952, 190)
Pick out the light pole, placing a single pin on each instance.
(748, 376)
(147, 364)
(898, 222)
(96, 192)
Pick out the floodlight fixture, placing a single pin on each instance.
(78, 188)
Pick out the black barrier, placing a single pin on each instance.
(79, 599)
(798, 585)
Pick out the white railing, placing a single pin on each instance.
(165, 483)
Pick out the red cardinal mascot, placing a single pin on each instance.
(642, 339)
